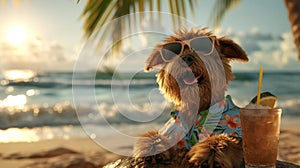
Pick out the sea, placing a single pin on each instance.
(45, 105)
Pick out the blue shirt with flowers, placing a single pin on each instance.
(222, 117)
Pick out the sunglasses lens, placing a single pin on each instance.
(203, 44)
(169, 51)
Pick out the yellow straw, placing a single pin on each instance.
(259, 85)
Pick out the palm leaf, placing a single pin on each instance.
(220, 8)
(97, 13)
(293, 7)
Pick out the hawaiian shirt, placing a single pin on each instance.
(222, 117)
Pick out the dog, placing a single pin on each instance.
(194, 75)
(204, 128)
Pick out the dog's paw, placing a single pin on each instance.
(153, 148)
(216, 151)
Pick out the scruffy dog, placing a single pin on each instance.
(194, 75)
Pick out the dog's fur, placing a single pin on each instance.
(146, 155)
(217, 151)
(161, 154)
(214, 72)
(159, 151)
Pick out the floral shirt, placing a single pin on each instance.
(222, 117)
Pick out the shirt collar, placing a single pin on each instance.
(215, 110)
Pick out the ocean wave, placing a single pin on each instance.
(55, 90)
(97, 84)
(106, 113)
(22, 78)
(290, 107)
(105, 80)
(33, 116)
(67, 114)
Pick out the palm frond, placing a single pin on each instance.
(171, 8)
(293, 8)
(182, 5)
(158, 2)
(220, 8)
(99, 12)
(192, 4)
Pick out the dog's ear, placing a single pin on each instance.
(154, 60)
(231, 50)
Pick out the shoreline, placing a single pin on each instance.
(84, 151)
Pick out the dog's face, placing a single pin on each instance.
(218, 151)
(195, 66)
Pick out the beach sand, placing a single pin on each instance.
(83, 152)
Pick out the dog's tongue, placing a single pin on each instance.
(190, 79)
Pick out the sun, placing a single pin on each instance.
(16, 35)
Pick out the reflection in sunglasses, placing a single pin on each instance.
(203, 44)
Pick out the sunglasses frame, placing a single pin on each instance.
(188, 43)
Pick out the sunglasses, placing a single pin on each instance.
(204, 45)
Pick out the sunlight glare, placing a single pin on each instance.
(17, 101)
(19, 135)
(19, 75)
(16, 35)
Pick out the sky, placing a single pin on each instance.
(50, 34)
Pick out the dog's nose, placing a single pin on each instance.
(187, 59)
